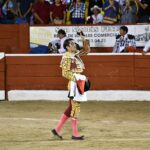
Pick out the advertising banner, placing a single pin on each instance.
(99, 36)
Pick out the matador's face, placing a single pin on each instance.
(72, 46)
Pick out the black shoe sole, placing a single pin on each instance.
(78, 138)
(56, 134)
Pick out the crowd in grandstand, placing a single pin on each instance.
(74, 11)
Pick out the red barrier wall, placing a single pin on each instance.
(35, 72)
(142, 72)
(106, 72)
(2, 73)
(14, 38)
(110, 72)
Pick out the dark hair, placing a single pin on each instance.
(61, 31)
(67, 42)
(124, 28)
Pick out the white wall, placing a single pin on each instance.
(110, 95)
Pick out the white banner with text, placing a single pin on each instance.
(99, 36)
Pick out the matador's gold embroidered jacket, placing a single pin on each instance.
(71, 63)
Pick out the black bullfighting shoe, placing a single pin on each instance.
(78, 138)
(56, 134)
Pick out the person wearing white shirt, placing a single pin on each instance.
(61, 50)
(121, 2)
(124, 41)
(56, 46)
(146, 47)
(62, 36)
(97, 17)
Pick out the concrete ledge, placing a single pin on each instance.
(2, 55)
(54, 95)
(2, 95)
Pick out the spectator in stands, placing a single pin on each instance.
(41, 11)
(146, 47)
(144, 11)
(9, 10)
(51, 2)
(121, 2)
(97, 17)
(111, 11)
(56, 46)
(128, 12)
(77, 10)
(58, 13)
(92, 3)
(53, 46)
(124, 42)
(66, 1)
(25, 9)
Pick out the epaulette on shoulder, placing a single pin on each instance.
(118, 36)
(131, 36)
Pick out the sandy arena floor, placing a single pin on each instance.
(106, 126)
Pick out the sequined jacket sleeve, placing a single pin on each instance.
(66, 69)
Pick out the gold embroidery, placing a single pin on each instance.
(70, 65)
(75, 109)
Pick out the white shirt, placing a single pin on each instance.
(97, 19)
(121, 2)
(122, 43)
(147, 46)
(62, 50)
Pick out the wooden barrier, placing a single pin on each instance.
(142, 72)
(2, 76)
(106, 72)
(14, 38)
(110, 71)
(34, 72)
